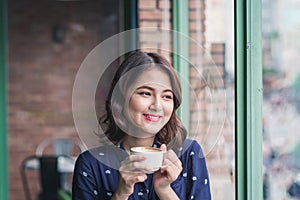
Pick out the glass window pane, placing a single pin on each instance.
(281, 102)
(210, 79)
(218, 38)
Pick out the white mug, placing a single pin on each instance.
(154, 156)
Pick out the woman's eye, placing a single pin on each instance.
(144, 93)
(168, 97)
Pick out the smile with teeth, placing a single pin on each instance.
(152, 117)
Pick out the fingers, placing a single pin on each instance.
(127, 181)
(163, 147)
(132, 170)
(172, 170)
(133, 163)
(170, 158)
(131, 178)
(171, 165)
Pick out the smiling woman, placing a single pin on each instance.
(141, 112)
(151, 105)
(152, 75)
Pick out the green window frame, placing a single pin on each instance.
(248, 101)
(180, 23)
(3, 105)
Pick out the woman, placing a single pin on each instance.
(141, 111)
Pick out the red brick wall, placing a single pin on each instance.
(156, 14)
(42, 72)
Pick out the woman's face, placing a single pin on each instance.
(151, 104)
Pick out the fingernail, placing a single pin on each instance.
(149, 169)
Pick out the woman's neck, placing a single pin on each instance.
(131, 141)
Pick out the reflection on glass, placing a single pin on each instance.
(281, 100)
(211, 73)
(211, 25)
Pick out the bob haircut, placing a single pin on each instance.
(173, 133)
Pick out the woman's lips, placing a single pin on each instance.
(152, 117)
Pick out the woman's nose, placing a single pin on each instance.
(156, 104)
(156, 107)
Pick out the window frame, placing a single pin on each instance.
(248, 98)
(180, 21)
(3, 104)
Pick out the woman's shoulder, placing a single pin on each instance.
(191, 144)
(85, 157)
(105, 155)
(191, 147)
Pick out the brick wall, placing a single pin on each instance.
(42, 72)
(156, 14)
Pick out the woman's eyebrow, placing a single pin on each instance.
(152, 89)
(145, 87)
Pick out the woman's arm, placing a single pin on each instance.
(84, 184)
(167, 194)
(198, 187)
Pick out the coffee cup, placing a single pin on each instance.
(154, 156)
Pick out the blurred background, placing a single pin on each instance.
(281, 98)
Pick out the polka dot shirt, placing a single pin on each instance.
(95, 180)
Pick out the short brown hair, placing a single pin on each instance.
(173, 133)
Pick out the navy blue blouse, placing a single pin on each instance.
(95, 180)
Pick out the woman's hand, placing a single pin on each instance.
(132, 170)
(167, 174)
